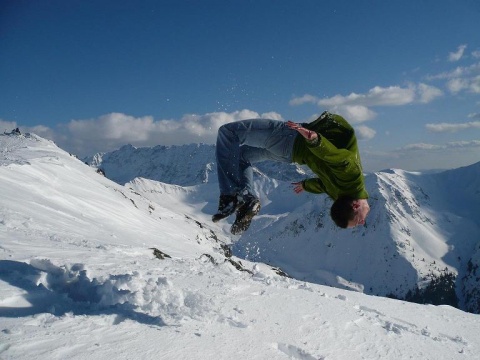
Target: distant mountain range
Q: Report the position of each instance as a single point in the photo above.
(422, 226)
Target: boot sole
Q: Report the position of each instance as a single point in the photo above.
(219, 216)
(242, 224)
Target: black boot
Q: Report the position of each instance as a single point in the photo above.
(245, 213)
(227, 205)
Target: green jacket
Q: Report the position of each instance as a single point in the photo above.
(334, 159)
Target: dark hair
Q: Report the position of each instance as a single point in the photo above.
(342, 212)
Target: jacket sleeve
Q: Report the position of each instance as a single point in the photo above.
(329, 153)
(313, 185)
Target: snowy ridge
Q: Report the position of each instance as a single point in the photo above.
(181, 165)
(79, 276)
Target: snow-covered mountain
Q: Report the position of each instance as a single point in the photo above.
(93, 269)
(185, 165)
(422, 226)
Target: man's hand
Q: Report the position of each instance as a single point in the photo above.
(298, 187)
(307, 134)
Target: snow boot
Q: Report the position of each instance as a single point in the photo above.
(227, 205)
(245, 213)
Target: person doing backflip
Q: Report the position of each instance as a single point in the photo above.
(328, 146)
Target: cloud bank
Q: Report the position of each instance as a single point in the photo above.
(462, 78)
(451, 127)
(356, 107)
(449, 145)
(109, 132)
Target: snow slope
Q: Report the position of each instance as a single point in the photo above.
(79, 280)
(421, 226)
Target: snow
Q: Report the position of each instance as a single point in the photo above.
(421, 224)
(79, 278)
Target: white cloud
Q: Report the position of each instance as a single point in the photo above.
(7, 126)
(474, 116)
(449, 127)
(305, 99)
(42, 131)
(476, 54)
(364, 132)
(458, 84)
(272, 115)
(463, 144)
(449, 145)
(475, 85)
(114, 126)
(460, 71)
(111, 131)
(355, 107)
(354, 113)
(421, 146)
(457, 55)
(377, 96)
(471, 84)
(461, 79)
(428, 93)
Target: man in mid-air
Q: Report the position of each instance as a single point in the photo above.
(328, 146)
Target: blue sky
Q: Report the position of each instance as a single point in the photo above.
(95, 75)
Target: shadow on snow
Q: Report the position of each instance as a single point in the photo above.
(51, 289)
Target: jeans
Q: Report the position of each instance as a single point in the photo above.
(242, 143)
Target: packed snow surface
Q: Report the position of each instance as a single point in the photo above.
(82, 277)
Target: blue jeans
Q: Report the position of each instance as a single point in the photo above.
(242, 143)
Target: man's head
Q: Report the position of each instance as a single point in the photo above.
(348, 212)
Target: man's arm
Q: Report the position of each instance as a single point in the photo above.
(313, 185)
(309, 135)
(320, 146)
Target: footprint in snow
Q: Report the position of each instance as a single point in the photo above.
(294, 352)
(232, 322)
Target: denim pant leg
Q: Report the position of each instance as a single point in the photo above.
(241, 143)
